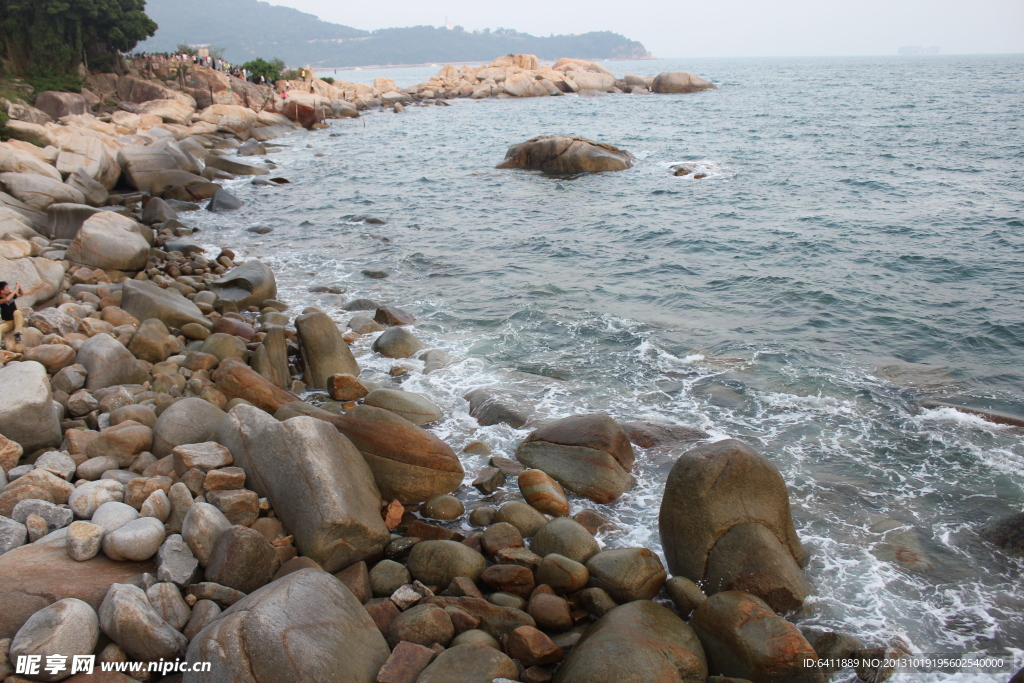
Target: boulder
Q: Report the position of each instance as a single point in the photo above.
(39, 191)
(712, 488)
(566, 154)
(94, 192)
(28, 415)
(222, 200)
(57, 105)
(130, 621)
(141, 165)
(438, 563)
(627, 574)
(162, 181)
(270, 359)
(588, 454)
(108, 363)
(235, 379)
(749, 557)
(593, 81)
(1007, 533)
(565, 537)
(14, 160)
(65, 220)
(639, 642)
(469, 663)
(137, 540)
(109, 241)
(305, 626)
(543, 493)
(397, 342)
(158, 211)
(40, 278)
(415, 408)
(491, 408)
(316, 481)
(234, 167)
(743, 638)
(36, 575)
(146, 300)
(680, 82)
(169, 111)
(323, 348)
(92, 156)
(408, 463)
(188, 421)
(242, 559)
(153, 342)
(249, 284)
(68, 627)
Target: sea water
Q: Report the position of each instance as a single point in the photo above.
(856, 247)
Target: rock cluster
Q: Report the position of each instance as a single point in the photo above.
(167, 492)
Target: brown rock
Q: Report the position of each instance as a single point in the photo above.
(235, 379)
(500, 536)
(392, 315)
(627, 574)
(532, 647)
(488, 480)
(240, 506)
(242, 559)
(357, 578)
(551, 612)
(562, 574)
(423, 624)
(509, 578)
(406, 663)
(344, 387)
(544, 493)
(566, 154)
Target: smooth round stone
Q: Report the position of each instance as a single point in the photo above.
(475, 636)
(503, 599)
(562, 574)
(137, 540)
(93, 468)
(482, 516)
(544, 493)
(56, 462)
(565, 537)
(195, 330)
(444, 507)
(112, 516)
(84, 540)
(415, 408)
(522, 516)
(157, 505)
(68, 627)
(386, 577)
(88, 498)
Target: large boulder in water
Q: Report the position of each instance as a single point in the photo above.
(109, 241)
(680, 82)
(250, 284)
(408, 463)
(566, 154)
(743, 638)
(318, 483)
(713, 489)
(306, 626)
(588, 454)
(637, 642)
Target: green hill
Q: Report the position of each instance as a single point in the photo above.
(249, 28)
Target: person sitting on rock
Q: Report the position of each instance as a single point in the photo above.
(10, 316)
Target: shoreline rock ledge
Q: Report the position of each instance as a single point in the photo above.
(567, 154)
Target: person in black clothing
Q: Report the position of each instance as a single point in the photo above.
(10, 316)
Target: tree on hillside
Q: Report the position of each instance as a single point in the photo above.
(270, 70)
(51, 38)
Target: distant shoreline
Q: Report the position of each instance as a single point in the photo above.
(470, 62)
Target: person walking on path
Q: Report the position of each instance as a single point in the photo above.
(10, 316)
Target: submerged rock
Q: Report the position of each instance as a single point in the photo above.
(566, 154)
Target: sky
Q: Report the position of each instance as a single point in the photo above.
(719, 28)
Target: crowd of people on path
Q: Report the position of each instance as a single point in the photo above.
(185, 59)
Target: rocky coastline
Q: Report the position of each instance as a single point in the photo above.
(192, 471)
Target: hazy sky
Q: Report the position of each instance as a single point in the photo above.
(719, 28)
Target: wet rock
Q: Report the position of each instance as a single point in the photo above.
(509, 578)
(357, 579)
(294, 629)
(415, 408)
(482, 516)
(397, 342)
(488, 480)
(392, 315)
(588, 454)
(543, 493)
(685, 594)
(832, 646)
(333, 507)
(596, 601)
(249, 284)
(522, 516)
(750, 558)
(496, 620)
(68, 627)
(223, 200)
(344, 387)
(242, 559)
(627, 574)
(567, 538)
(566, 154)
(28, 415)
(491, 408)
(166, 601)
(128, 619)
(188, 421)
(324, 351)
(438, 563)
(712, 488)
(744, 638)
(638, 637)
(651, 434)
(562, 574)
(1007, 533)
(469, 663)
(499, 536)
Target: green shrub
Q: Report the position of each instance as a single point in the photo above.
(328, 79)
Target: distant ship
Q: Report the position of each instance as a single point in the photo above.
(919, 50)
